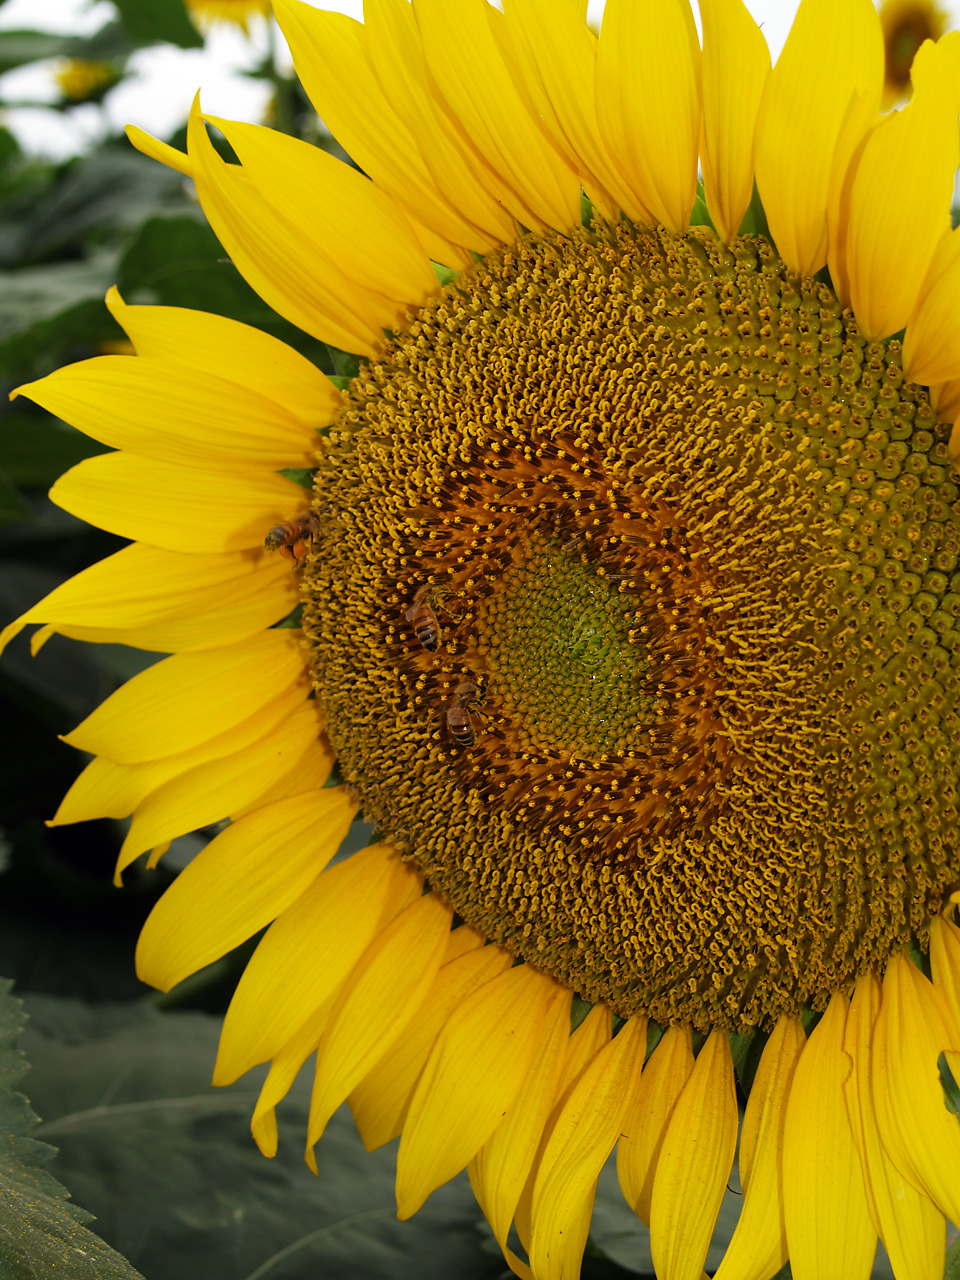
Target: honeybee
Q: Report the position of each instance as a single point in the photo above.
(289, 538)
(424, 620)
(458, 715)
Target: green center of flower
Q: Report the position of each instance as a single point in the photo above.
(556, 643)
(636, 622)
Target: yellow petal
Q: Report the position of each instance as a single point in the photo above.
(585, 1133)
(174, 414)
(190, 698)
(922, 1138)
(592, 1035)
(556, 41)
(106, 789)
(315, 763)
(306, 1038)
(646, 1122)
(329, 50)
(284, 1069)
(177, 508)
(231, 350)
(158, 150)
(911, 1227)
(931, 349)
(462, 941)
(463, 53)
(475, 1070)
(499, 1170)
(946, 400)
(395, 52)
(206, 629)
(377, 1001)
(141, 586)
(833, 52)
(382, 1098)
(901, 193)
(335, 211)
(736, 65)
(945, 962)
(648, 102)
(266, 247)
(860, 119)
(217, 789)
(694, 1164)
(758, 1248)
(829, 1231)
(244, 878)
(587, 1041)
(305, 957)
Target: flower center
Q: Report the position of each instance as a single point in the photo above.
(633, 622)
(556, 643)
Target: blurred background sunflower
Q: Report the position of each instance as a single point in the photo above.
(557, 737)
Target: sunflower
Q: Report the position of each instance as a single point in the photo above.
(83, 79)
(207, 13)
(906, 25)
(625, 600)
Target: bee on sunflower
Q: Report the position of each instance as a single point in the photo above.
(627, 605)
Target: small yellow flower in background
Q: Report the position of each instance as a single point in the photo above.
(626, 601)
(906, 24)
(207, 12)
(80, 79)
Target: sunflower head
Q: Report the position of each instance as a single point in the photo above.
(83, 79)
(625, 598)
(208, 13)
(689, 539)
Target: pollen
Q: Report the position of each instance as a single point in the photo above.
(691, 543)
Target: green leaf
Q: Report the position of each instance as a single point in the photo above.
(90, 199)
(168, 1164)
(952, 1268)
(951, 1091)
(149, 21)
(112, 41)
(303, 476)
(293, 620)
(345, 363)
(13, 507)
(36, 448)
(444, 274)
(754, 221)
(746, 1049)
(17, 48)
(41, 1234)
(46, 310)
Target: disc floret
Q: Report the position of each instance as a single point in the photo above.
(691, 541)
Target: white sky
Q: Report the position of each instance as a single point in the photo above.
(158, 94)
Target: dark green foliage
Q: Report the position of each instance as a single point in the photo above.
(41, 1233)
(147, 21)
(168, 1165)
